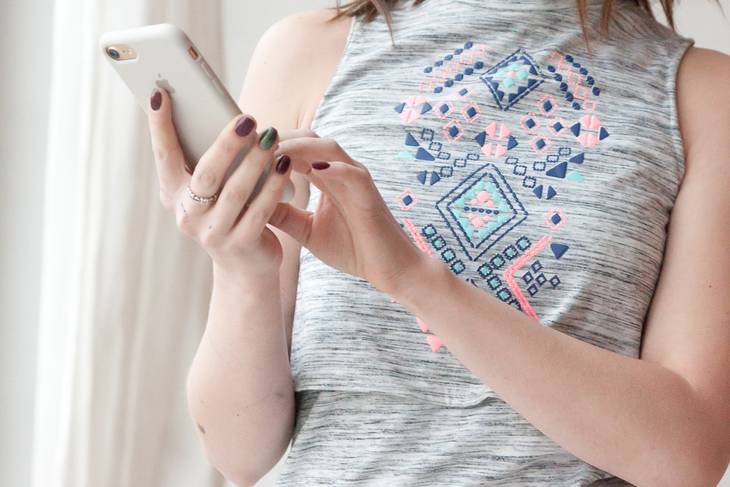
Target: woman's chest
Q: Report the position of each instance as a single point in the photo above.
(524, 171)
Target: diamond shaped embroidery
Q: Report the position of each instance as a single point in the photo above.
(512, 78)
(481, 210)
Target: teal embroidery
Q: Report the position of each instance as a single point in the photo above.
(447, 254)
(512, 79)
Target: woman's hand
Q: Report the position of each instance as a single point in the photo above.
(231, 229)
(352, 228)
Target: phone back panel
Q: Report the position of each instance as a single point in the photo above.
(196, 92)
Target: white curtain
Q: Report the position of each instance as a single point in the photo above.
(124, 295)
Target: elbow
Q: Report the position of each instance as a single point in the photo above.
(240, 479)
(242, 474)
(699, 456)
(706, 463)
(695, 467)
(711, 468)
(227, 447)
(703, 472)
(236, 472)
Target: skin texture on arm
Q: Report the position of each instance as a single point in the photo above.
(688, 327)
(239, 387)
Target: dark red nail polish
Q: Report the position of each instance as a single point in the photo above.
(244, 126)
(156, 99)
(282, 164)
(320, 165)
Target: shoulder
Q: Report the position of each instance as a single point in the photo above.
(314, 27)
(295, 58)
(703, 99)
(701, 68)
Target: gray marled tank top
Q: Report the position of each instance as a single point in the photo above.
(539, 173)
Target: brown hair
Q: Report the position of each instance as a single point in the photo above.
(370, 9)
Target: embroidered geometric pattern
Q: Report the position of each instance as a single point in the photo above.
(512, 78)
(453, 67)
(476, 161)
(481, 210)
(577, 85)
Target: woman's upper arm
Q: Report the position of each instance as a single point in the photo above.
(688, 326)
(289, 71)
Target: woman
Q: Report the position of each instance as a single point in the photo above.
(478, 296)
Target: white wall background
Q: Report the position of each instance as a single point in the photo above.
(24, 49)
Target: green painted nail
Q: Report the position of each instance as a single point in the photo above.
(267, 138)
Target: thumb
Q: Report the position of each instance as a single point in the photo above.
(294, 221)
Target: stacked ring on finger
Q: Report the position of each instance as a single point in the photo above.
(209, 173)
(203, 200)
(246, 181)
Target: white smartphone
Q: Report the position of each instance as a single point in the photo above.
(163, 55)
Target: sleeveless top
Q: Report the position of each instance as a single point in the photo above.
(539, 172)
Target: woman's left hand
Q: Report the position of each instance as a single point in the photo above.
(352, 228)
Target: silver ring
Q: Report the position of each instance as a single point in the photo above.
(204, 200)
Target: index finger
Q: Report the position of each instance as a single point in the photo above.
(169, 157)
(285, 134)
(305, 150)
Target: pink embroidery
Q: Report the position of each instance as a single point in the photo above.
(540, 143)
(437, 75)
(412, 109)
(590, 126)
(435, 342)
(550, 219)
(467, 58)
(400, 199)
(453, 126)
(468, 110)
(530, 123)
(580, 85)
(589, 105)
(555, 57)
(420, 242)
(500, 132)
(453, 67)
(480, 48)
(581, 92)
(504, 130)
(509, 274)
(547, 105)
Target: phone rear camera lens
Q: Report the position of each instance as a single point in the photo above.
(113, 53)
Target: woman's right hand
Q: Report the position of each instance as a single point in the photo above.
(239, 246)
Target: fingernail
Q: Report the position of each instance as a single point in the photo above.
(244, 126)
(320, 165)
(156, 99)
(267, 138)
(283, 164)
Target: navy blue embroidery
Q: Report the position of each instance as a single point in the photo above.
(513, 78)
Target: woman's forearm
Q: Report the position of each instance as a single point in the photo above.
(240, 391)
(635, 419)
